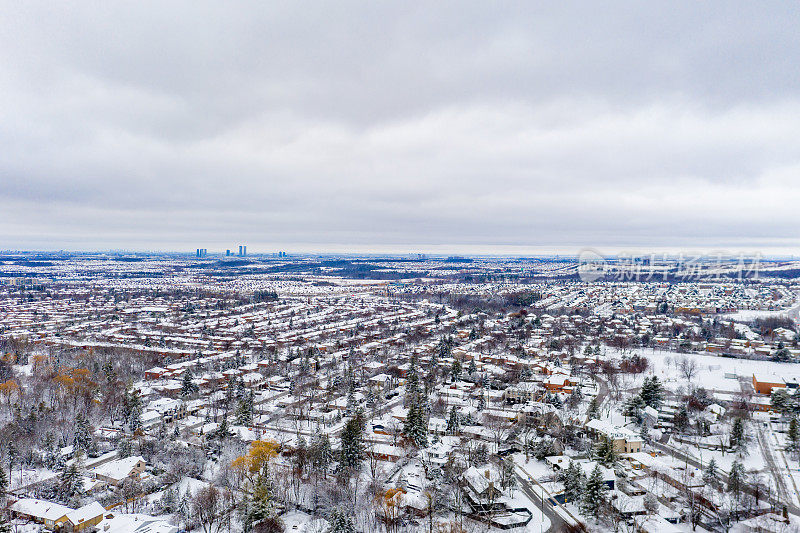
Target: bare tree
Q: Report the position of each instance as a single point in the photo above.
(688, 368)
(206, 509)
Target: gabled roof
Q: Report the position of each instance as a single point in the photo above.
(41, 509)
(87, 512)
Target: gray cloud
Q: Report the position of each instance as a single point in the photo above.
(412, 126)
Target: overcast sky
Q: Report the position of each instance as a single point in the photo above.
(404, 126)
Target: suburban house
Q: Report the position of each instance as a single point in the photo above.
(82, 519)
(625, 440)
(57, 517)
(40, 511)
(482, 488)
(115, 472)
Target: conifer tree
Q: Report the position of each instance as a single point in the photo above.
(593, 411)
(594, 494)
(133, 410)
(352, 446)
(453, 422)
(711, 475)
(793, 434)
(415, 427)
(321, 453)
(573, 480)
(652, 392)
(69, 483)
(341, 522)
(188, 387)
(168, 501)
(455, 370)
(481, 400)
(737, 478)
(244, 411)
(737, 438)
(222, 429)
(605, 452)
(261, 504)
(82, 439)
(634, 408)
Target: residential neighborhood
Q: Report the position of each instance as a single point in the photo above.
(146, 404)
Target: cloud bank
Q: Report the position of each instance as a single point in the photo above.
(346, 126)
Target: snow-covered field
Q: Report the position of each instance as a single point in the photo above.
(713, 373)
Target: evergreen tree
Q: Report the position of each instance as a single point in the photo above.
(341, 522)
(261, 504)
(680, 422)
(634, 408)
(351, 400)
(793, 434)
(321, 453)
(644, 433)
(652, 392)
(575, 397)
(481, 400)
(69, 483)
(737, 478)
(412, 381)
(555, 401)
(3, 480)
(352, 446)
(573, 480)
(594, 494)
(244, 411)
(169, 501)
(455, 370)
(711, 475)
(737, 438)
(780, 400)
(453, 422)
(415, 427)
(124, 449)
(82, 440)
(243, 509)
(593, 410)
(222, 430)
(472, 368)
(133, 410)
(188, 387)
(605, 452)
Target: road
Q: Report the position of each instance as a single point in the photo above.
(532, 490)
(766, 449)
(777, 474)
(777, 502)
(602, 392)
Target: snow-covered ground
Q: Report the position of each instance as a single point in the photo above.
(713, 372)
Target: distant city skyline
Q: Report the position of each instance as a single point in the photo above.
(411, 128)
